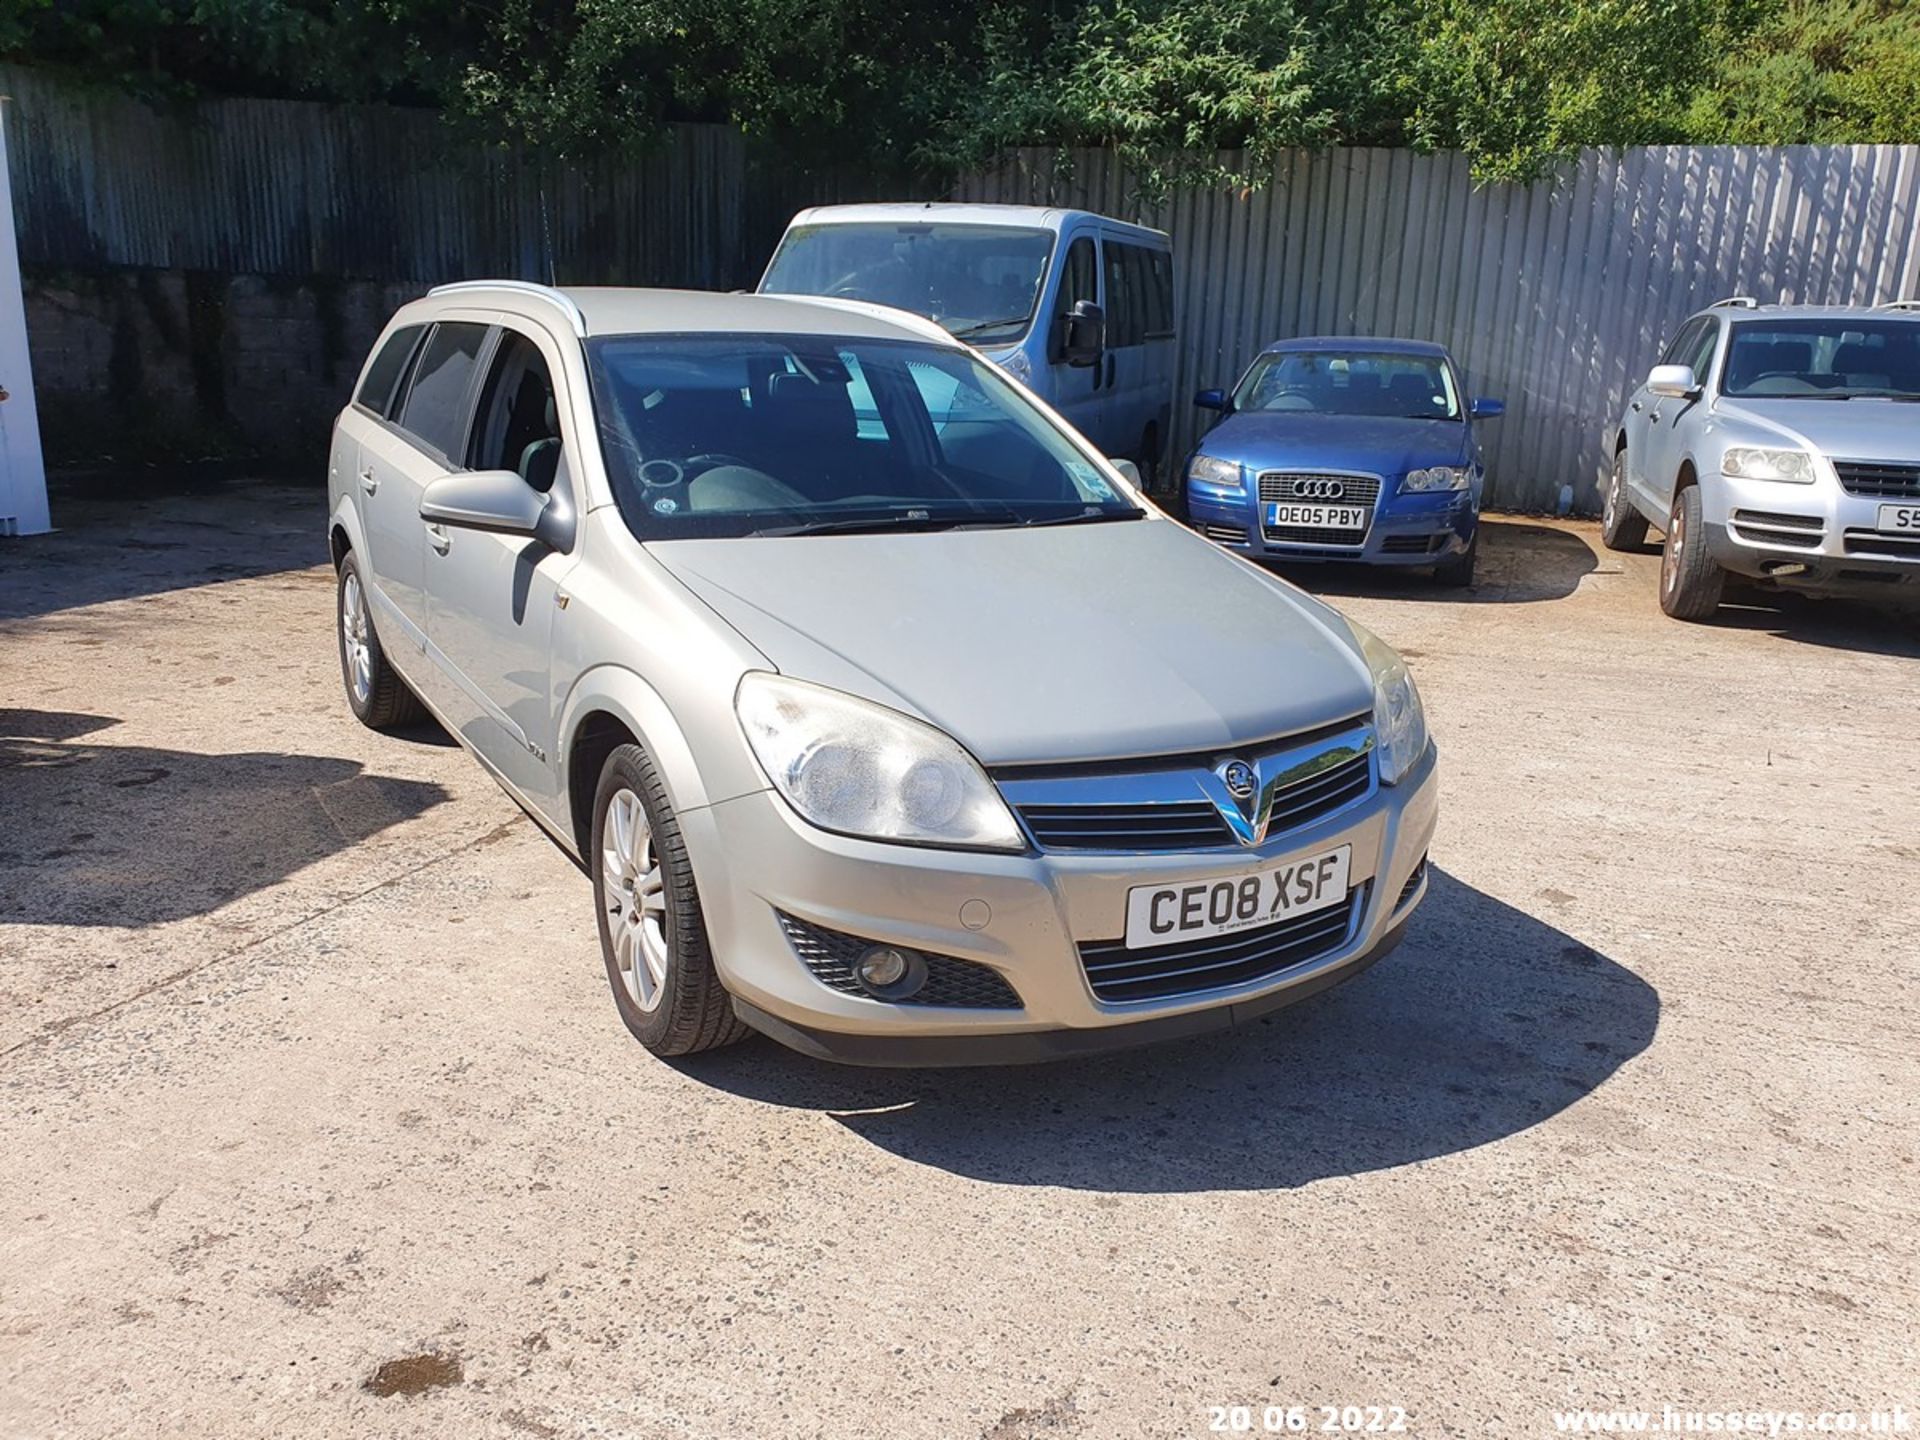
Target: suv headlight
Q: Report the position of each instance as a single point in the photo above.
(1399, 719)
(1793, 466)
(1440, 477)
(857, 768)
(1211, 470)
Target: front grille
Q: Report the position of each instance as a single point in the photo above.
(1872, 542)
(1413, 883)
(1767, 527)
(961, 984)
(1118, 974)
(1278, 485)
(1880, 477)
(1196, 824)
(1224, 534)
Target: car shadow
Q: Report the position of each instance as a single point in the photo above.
(129, 835)
(1484, 1023)
(1519, 563)
(1888, 625)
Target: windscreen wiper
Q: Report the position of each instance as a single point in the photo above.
(989, 325)
(1086, 517)
(912, 520)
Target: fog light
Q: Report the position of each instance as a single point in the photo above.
(887, 972)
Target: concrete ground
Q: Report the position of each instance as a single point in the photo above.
(318, 1118)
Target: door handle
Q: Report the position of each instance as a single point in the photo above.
(439, 538)
(1109, 369)
(1635, 407)
(367, 482)
(1653, 418)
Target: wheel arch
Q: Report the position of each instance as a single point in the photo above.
(344, 533)
(608, 707)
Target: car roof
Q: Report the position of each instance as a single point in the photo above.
(591, 310)
(948, 212)
(1381, 343)
(1740, 314)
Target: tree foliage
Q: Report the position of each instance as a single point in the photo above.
(939, 84)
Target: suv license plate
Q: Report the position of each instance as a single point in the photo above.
(1169, 914)
(1900, 519)
(1325, 517)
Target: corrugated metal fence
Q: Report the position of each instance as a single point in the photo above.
(1554, 296)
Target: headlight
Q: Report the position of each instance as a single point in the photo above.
(1016, 364)
(861, 769)
(1440, 477)
(1399, 719)
(1793, 466)
(1211, 470)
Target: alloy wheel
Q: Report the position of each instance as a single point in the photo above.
(635, 893)
(354, 636)
(1676, 548)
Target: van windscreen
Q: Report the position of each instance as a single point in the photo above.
(981, 282)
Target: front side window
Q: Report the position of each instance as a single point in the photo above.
(981, 282)
(1351, 382)
(1823, 359)
(517, 424)
(728, 435)
(1682, 343)
(435, 403)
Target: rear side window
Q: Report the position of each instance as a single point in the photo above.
(1160, 295)
(383, 376)
(436, 401)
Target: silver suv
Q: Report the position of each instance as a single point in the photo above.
(885, 715)
(1776, 442)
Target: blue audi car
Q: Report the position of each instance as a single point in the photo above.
(1344, 448)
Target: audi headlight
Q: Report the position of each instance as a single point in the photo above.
(1440, 477)
(857, 768)
(1793, 466)
(1399, 719)
(1212, 470)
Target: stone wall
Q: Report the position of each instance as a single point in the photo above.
(142, 367)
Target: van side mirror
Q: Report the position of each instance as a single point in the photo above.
(1083, 334)
(500, 502)
(1673, 382)
(1212, 400)
(1484, 408)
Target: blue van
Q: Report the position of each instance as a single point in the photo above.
(1077, 307)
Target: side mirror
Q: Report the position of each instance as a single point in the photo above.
(1083, 337)
(1483, 408)
(500, 502)
(1129, 471)
(1213, 400)
(1673, 382)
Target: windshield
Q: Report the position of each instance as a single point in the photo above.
(1351, 382)
(981, 282)
(709, 435)
(1822, 359)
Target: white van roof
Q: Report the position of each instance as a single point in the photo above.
(1031, 217)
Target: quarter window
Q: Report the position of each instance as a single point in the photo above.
(436, 401)
(383, 375)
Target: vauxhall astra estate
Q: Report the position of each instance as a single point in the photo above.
(865, 691)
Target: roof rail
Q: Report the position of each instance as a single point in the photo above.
(558, 299)
(1736, 302)
(1899, 305)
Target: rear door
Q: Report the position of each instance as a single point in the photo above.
(1138, 383)
(399, 457)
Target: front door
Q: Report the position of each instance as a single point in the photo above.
(1078, 392)
(492, 599)
(1665, 447)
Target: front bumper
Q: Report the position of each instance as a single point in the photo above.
(754, 859)
(1413, 529)
(1814, 535)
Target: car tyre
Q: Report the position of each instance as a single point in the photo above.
(1621, 526)
(376, 694)
(653, 933)
(1457, 573)
(1149, 459)
(1690, 582)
